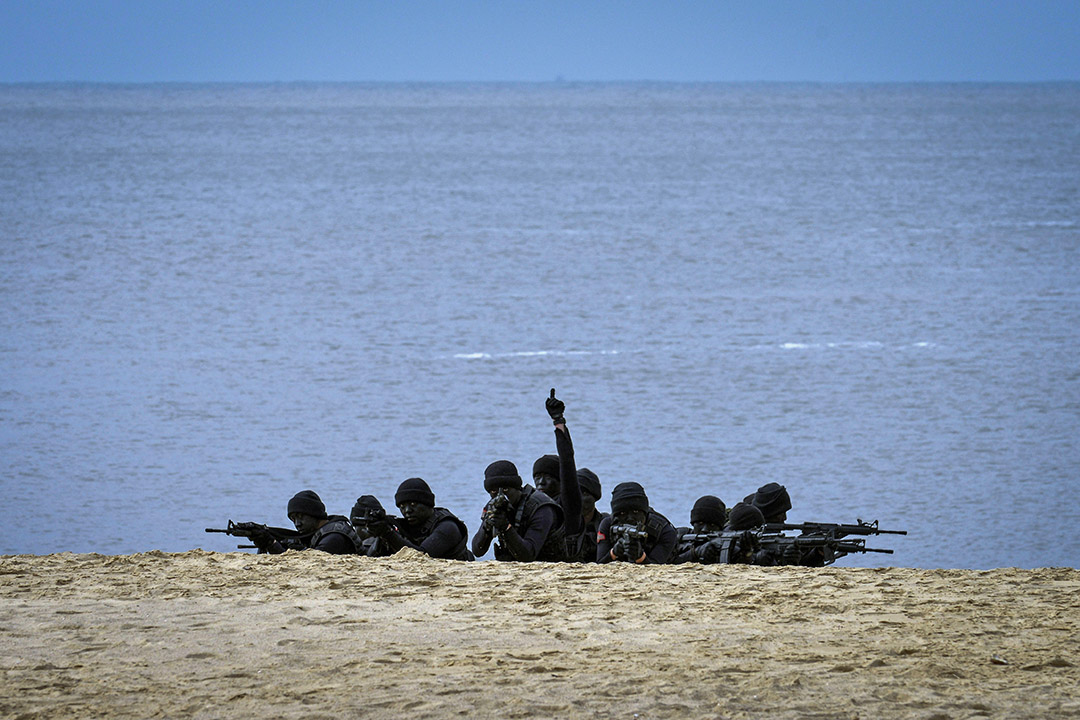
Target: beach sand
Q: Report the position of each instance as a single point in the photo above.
(309, 635)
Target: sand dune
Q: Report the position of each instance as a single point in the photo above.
(308, 635)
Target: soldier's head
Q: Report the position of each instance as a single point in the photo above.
(744, 517)
(708, 515)
(306, 511)
(415, 501)
(546, 475)
(773, 502)
(502, 476)
(629, 504)
(590, 490)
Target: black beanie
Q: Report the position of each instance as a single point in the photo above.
(501, 474)
(589, 482)
(414, 490)
(629, 496)
(365, 504)
(308, 503)
(709, 509)
(772, 499)
(744, 517)
(547, 465)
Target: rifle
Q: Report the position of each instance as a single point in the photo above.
(733, 546)
(630, 532)
(765, 546)
(623, 536)
(362, 521)
(288, 538)
(832, 530)
(779, 549)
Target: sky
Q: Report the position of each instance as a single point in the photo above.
(533, 41)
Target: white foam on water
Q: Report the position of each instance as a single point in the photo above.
(532, 353)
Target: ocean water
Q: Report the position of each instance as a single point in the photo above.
(215, 296)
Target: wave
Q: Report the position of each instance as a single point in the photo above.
(532, 353)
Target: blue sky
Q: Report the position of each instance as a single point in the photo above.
(485, 40)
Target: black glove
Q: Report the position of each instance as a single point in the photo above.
(378, 528)
(555, 408)
(791, 555)
(709, 552)
(634, 549)
(260, 537)
(619, 549)
(497, 522)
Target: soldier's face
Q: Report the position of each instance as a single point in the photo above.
(704, 527)
(546, 484)
(415, 513)
(512, 494)
(588, 503)
(304, 523)
(629, 517)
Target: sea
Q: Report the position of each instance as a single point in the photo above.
(215, 296)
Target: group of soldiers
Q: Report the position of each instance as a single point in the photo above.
(556, 520)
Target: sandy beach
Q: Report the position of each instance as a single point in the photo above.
(308, 635)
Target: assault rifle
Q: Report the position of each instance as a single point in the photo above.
(732, 546)
(499, 504)
(832, 530)
(627, 534)
(257, 531)
(813, 550)
(363, 521)
(630, 532)
(763, 546)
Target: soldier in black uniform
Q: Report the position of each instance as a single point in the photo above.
(527, 523)
(572, 488)
(546, 476)
(432, 530)
(318, 531)
(591, 516)
(371, 522)
(707, 516)
(744, 517)
(773, 501)
(634, 532)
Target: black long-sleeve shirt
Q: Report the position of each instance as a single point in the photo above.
(440, 543)
(569, 489)
(533, 535)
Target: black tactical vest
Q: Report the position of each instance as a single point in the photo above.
(554, 549)
(461, 550)
(341, 525)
